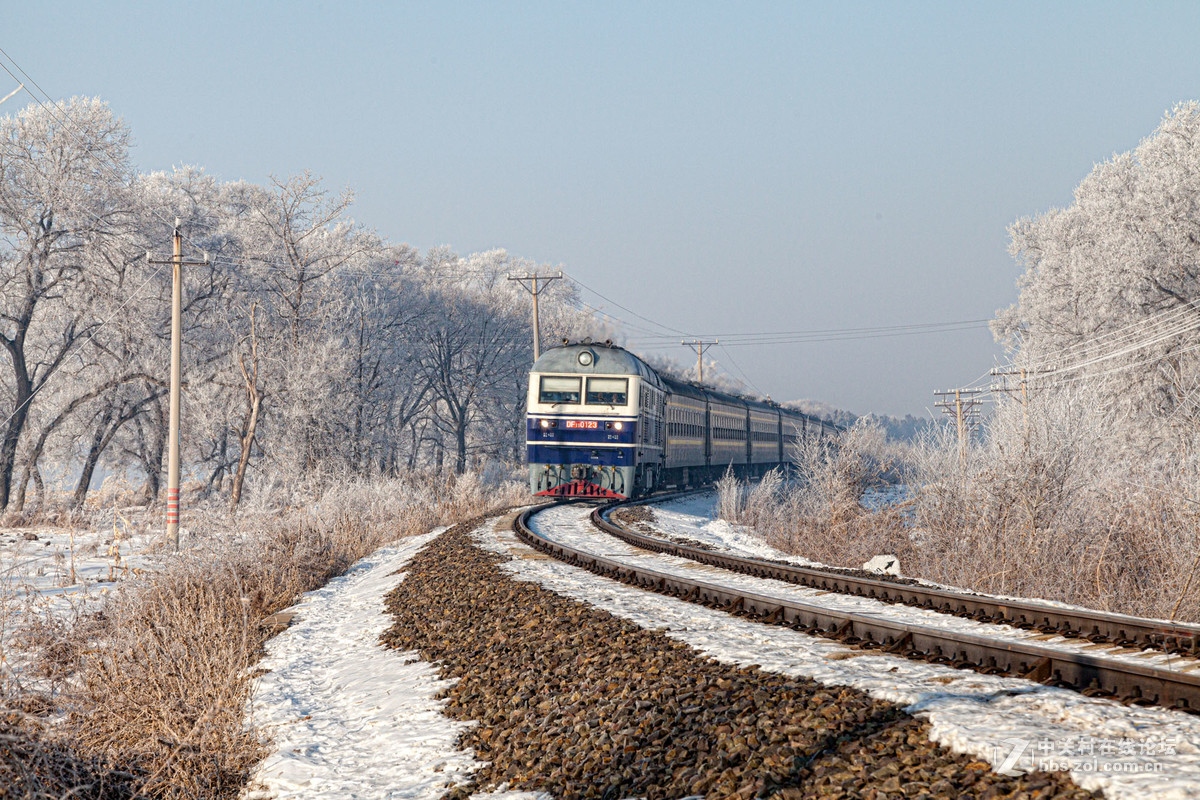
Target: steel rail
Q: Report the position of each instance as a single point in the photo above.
(1095, 626)
(1092, 675)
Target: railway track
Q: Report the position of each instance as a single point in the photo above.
(1094, 675)
(1095, 626)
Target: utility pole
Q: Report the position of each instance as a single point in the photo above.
(177, 264)
(533, 288)
(700, 348)
(1024, 373)
(1024, 385)
(965, 410)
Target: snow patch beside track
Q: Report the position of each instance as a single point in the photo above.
(349, 718)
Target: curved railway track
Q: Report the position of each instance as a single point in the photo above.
(1094, 675)
(1095, 626)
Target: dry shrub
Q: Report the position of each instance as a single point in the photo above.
(1059, 517)
(158, 679)
(34, 768)
(1053, 502)
(820, 513)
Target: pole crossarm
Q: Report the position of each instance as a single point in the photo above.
(530, 284)
(700, 348)
(963, 405)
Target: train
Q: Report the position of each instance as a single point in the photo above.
(602, 424)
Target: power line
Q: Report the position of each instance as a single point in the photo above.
(839, 335)
(675, 331)
(1172, 321)
(742, 372)
(756, 337)
(1157, 333)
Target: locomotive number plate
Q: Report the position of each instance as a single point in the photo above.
(587, 424)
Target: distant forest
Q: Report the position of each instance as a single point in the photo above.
(898, 429)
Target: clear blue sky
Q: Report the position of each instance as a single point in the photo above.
(716, 167)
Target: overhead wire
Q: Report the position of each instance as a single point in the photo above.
(742, 372)
(627, 310)
(786, 336)
(1035, 382)
(1130, 330)
(1168, 319)
(136, 292)
(1155, 334)
(838, 335)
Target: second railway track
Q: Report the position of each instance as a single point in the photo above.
(1095, 626)
(1103, 675)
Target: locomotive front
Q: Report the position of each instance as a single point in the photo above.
(581, 429)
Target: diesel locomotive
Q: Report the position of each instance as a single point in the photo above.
(603, 424)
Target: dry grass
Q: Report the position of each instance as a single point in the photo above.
(158, 680)
(1051, 519)
(33, 768)
(1111, 546)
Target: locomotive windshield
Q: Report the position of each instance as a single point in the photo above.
(608, 391)
(559, 390)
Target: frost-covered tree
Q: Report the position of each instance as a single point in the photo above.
(1110, 299)
(312, 346)
(64, 204)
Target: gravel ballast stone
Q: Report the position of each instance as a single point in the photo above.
(573, 701)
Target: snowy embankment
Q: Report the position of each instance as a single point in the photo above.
(347, 717)
(570, 527)
(572, 700)
(1128, 752)
(351, 719)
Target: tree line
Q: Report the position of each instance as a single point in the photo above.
(312, 345)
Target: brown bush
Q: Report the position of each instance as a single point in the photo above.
(158, 679)
(1043, 510)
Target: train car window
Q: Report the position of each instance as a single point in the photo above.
(608, 391)
(559, 390)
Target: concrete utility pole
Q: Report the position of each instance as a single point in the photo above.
(533, 288)
(1024, 373)
(177, 264)
(965, 409)
(700, 348)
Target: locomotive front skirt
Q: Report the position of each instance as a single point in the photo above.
(603, 424)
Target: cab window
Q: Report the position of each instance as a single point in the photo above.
(559, 390)
(608, 391)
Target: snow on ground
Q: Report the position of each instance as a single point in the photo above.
(61, 569)
(349, 718)
(1014, 724)
(693, 516)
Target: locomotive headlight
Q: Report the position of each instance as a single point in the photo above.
(545, 423)
(618, 425)
(585, 358)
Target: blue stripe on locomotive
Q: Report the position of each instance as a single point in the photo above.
(600, 456)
